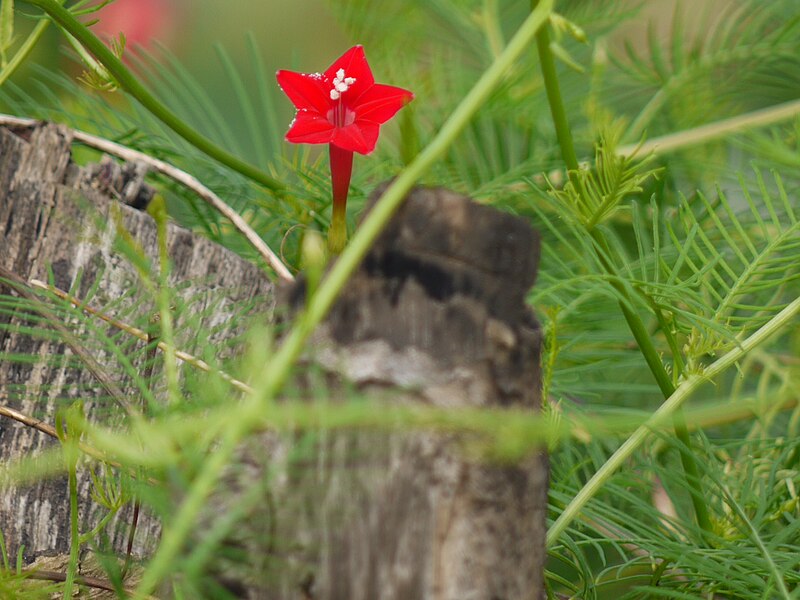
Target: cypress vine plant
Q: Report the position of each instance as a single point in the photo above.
(656, 150)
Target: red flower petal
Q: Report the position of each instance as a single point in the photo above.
(307, 91)
(354, 63)
(364, 104)
(358, 137)
(380, 103)
(309, 127)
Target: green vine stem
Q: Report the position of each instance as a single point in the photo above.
(666, 412)
(634, 321)
(128, 82)
(557, 110)
(688, 459)
(709, 132)
(166, 328)
(69, 435)
(277, 370)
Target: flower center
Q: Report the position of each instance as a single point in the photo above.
(340, 115)
(341, 84)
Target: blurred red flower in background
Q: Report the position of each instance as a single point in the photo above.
(142, 21)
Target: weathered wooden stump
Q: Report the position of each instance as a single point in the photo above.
(56, 225)
(435, 315)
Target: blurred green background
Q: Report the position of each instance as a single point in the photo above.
(288, 33)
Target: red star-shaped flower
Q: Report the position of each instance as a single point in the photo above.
(342, 106)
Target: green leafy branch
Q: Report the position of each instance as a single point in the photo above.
(595, 206)
(666, 412)
(750, 37)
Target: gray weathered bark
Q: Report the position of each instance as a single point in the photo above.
(435, 315)
(56, 225)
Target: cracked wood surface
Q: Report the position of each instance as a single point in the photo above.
(57, 225)
(435, 315)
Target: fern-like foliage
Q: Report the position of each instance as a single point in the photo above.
(726, 265)
(730, 55)
(593, 195)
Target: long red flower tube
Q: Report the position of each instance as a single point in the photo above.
(344, 108)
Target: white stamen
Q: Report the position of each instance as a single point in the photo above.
(341, 84)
